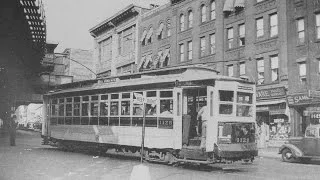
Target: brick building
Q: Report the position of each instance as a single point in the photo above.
(236, 37)
(115, 42)
(271, 42)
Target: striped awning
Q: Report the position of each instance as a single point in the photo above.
(143, 35)
(228, 5)
(141, 62)
(239, 3)
(150, 33)
(148, 60)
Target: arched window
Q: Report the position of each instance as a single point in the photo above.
(181, 22)
(213, 10)
(203, 13)
(160, 31)
(190, 19)
(168, 28)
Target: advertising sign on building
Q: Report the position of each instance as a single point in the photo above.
(271, 93)
(301, 99)
(315, 118)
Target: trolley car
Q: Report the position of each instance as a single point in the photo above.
(104, 114)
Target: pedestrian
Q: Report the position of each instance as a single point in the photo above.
(12, 130)
(203, 116)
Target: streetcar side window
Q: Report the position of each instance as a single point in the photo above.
(104, 110)
(166, 103)
(76, 111)
(151, 107)
(94, 110)
(125, 104)
(226, 102)
(85, 110)
(137, 107)
(244, 104)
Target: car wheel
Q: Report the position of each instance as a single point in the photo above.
(287, 155)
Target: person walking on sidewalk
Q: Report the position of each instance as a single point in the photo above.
(12, 130)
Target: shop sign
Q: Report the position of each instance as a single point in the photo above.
(313, 93)
(315, 117)
(271, 93)
(280, 120)
(276, 112)
(301, 99)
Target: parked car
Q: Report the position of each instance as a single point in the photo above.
(302, 149)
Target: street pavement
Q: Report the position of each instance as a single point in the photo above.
(31, 160)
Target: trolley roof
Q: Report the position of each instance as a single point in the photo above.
(167, 75)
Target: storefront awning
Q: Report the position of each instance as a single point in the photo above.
(264, 103)
(228, 5)
(239, 4)
(148, 60)
(141, 62)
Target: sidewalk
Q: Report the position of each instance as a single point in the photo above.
(270, 152)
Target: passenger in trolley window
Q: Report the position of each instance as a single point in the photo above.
(203, 116)
(165, 110)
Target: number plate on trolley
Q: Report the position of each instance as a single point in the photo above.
(165, 123)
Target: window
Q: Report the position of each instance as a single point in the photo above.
(212, 44)
(230, 70)
(120, 44)
(260, 70)
(160, 31)
(149, 35)
(143, 38)
(202, 46)
(104, 105)
(190, 19)
(226, 102)
(300, 30)
(94, 110)
(213, 10)
(242, 69)
(242, 35)
(302, 72)
(181, 47)
(166, 103)
(203, 13)
(273, 25)
(274, 68)
(181, 22)
(259, 28)
(85, 110)
(114, 111)
(230, 37)
(151, 109)
(189, 50)
(137, 108)
(244, 104)
(105, 50)
(125, 104)
(168, 28)
(318, 25)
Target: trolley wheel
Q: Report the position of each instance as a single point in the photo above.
(287, 155)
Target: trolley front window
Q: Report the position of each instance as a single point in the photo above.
(236, 133)
(244, 104)
(226, 102)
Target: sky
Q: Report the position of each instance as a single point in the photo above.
(68, 21)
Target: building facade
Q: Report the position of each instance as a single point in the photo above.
(236, 37)
(271, 42)
(116, 42)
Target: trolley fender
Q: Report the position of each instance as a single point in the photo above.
(294, 149)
